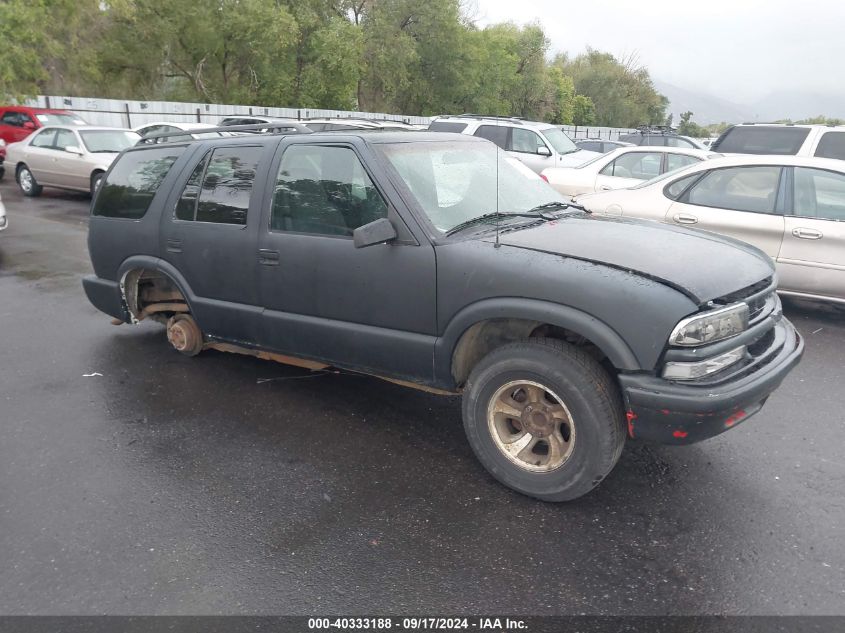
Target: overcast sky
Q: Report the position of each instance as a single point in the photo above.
(740, 50)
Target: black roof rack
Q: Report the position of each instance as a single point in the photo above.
(512, 119)
(656, 129)
(281, 127)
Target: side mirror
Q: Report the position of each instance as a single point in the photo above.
(544, 151)
(376, 232)
(73, 149)
(28, 125)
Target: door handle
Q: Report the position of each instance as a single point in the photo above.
(604, 188)
(685, 218)
(807, 234)
(174, 246)
(267, 257)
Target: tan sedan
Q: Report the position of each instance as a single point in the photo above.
(791, 208)
(66, 157)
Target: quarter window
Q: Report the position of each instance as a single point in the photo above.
(819, 194)
(324, 190)
(447, 126)
(678, 187)
(832, 145)
(738, 188)
(133, 181)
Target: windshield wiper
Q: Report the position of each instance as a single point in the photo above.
(558, 205)
(534, 213)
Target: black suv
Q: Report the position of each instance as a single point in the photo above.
(437, 261)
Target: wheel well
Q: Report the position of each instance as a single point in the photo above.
(150, 293)
(484, 337)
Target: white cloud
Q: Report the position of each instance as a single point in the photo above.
(739, 50)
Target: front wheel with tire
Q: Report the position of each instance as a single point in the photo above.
(26, 181)
(544, 418)
(96, 181)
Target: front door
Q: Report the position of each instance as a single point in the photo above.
(526, 146)
(370, 308)
(812, 257)
(742, 202)
(209, 235)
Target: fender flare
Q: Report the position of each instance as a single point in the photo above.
(147, 262)
(591, 328)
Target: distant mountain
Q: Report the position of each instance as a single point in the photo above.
(782, 104)
(797, 105)
(706, 108)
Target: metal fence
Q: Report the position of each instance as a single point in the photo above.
(122, 113)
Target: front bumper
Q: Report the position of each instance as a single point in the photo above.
(668, 412)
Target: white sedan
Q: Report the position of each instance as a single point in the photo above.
(792, 208)
(623, 167)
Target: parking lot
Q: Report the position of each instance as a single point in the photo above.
(136, 480)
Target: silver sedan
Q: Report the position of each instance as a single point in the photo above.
(73, 158)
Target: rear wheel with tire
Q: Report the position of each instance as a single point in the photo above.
(544, 418)
(26, 181)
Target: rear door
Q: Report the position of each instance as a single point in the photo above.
(209, 234)
(744, 202)
(526, 145)
(812, 257)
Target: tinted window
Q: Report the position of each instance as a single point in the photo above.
(639, 165)
(186, 208)
(677, 141)
(591, 146)
(324, 190)
(819, 194)
(65, 138)
(446, 126)
(496, 133)
(11, 118)
(133, 182)
(44, 139)
(676, 161)
(761, 139)
(525, 141)
(675, 190)
(832, 145)
(227, 185)
(738, 188)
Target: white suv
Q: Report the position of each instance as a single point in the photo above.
(538, 145)
(823, 141)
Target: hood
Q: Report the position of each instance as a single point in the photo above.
(704, 266)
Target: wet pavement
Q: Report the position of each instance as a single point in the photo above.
(138, 481)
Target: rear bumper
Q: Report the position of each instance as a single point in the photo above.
(674, 413)
(105, 296)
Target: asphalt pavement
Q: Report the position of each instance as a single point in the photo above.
(139, 481)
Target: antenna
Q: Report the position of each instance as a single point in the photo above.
(498, 217)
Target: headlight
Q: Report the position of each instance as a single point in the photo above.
(699, 369)
(709, 327)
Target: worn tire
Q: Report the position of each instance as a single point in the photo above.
(586, 390)
(96, 180)
(184, 334)
(27, 183)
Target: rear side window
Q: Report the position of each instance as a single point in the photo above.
(761, 139)
(447, 126)
(738, 188)
(676, 161)
(496, 133)
(226, 176)
(133, 182)
(832, 145)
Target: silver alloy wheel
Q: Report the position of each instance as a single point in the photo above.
(531, 426)
(25, 179)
